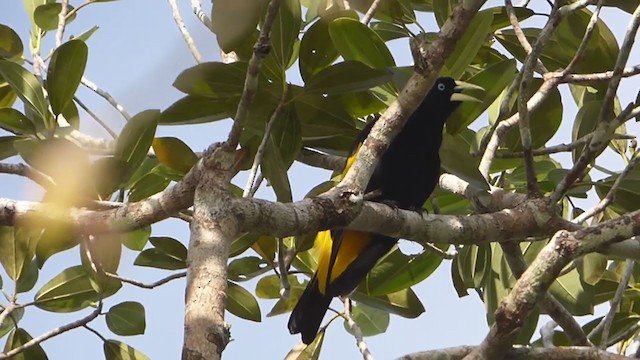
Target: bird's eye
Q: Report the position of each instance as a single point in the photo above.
(441, 87)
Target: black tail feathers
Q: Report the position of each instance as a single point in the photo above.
(307, 316)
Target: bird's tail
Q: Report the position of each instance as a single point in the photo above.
(307, 316)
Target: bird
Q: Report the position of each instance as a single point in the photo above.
(405, 177)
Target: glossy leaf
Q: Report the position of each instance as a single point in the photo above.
(370, 320)
(14, 121)
(7, 95)
(233, 20)
(193, 109)
(157, 259)
(126, 319)
(69, 291)
(10, 322)
(285, 34)
(10, 44)
(467, 47)
(26, 87)
(241, 303)
(108, 174)
(316, 52)
(46, 16)
(56, 238)
(403, 303)
(356, 41)
(18, 247)
(174, 153)
(246, 268)
(64, 73)
(19, 337)
(136, 137)
(116, 350)
(170, 246)
(344, 77)
(136, 239)
(388, 32)
(28, 277)
(213, 80)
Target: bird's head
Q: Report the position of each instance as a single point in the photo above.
(447, 94)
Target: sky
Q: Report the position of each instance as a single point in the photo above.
(136, 55)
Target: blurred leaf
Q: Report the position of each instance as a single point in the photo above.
(14, 121)
(397, 271)
(442, 9)
(404, 303)
(28, 277)
(126, 319)
(65, 70)
(19, 337)
(592, 267)
(107, 175)
(149, 185)
(321, 117)
(627, 197)
(311, 351)
(170, 246)
(285, 34)
(370, 320)
(106, 251)
(467, 47)
(268, 287)
(494, 79)
(625, 5)
(396, 11)
(56, 238)
(193, 109)
(116, 350)
(136, 137)
(10, 44)
(87, 34)
(136, 239)
(10, 322)
(233, 20)
(346, 77)
(621, 323)
(585, 123)
(242, 243)
(241, 303)
(213, 80)
(26, 86)
(7, 95)
(46, 16)
(6, 146)
(388, 32)
(501, 19)
(174, 153)
(356, 41)
(18, 246)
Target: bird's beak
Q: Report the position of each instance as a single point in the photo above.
(462, 86)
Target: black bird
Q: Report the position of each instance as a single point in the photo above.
(405, 177)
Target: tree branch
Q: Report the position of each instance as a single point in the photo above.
(175, 12)
(523, 353)
(25, 170)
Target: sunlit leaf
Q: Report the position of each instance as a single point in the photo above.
(126, 319)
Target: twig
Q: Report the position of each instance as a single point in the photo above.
(285, 286)
(27, 171)
(96, 118)
(55, 332)
(93, 87)
(515, 24)
(371, 11)
(95, 332)
(586, 79)
(588, 33)
(560, 147)
(357, 332)
(546, 332)
(443, 254)
(175, 11)
(145, 285)
(263, 147)
(7, 311)
(260, 51)
(625, 335)
(62, 21)
(611, 194)
(196, 5)
(323, 161)
(605, 324)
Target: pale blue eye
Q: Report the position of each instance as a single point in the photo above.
(441, 87)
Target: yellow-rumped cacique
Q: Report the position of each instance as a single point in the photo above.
(405, 177)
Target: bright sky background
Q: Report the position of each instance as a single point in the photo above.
(135, 55)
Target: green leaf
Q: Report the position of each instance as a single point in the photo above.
(586, 122)
(316, 53)
(69, 291)
(268, 287)
(404, 303)
(57, 237)
(28, 277)
(467, 47)
(573, 294)
(241, 303)
(627, 197)
(65, 71)
(46, 16)
(150, 184)
(246, 268)
(87, 34)
(494, 79)
(193, 109)
(26, 86)
(311, 351)
(356, 41)
(345, 77)
(18, 247)
(174, 153)
(116, 350)
(136, 239)
(370, 320)
(456, 159)
(10, 44)
(157, 259)
(126, 319)
(242, 243)
(6, 146)
(232, 21)
(592, 267)
(624, 5)
(501, 19)
(213, 80)
(285, 33)
(396, 11)
(7, 95)
(14, 121)
(322, 117)
(442, 9)
(397, 271)
(170, 246)
(136, 137)
(10, 322)
(107, 175)
(19, 337)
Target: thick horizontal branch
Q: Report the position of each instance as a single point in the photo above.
(524, 353)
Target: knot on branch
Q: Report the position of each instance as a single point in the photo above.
(219, 335)
(262, 50)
